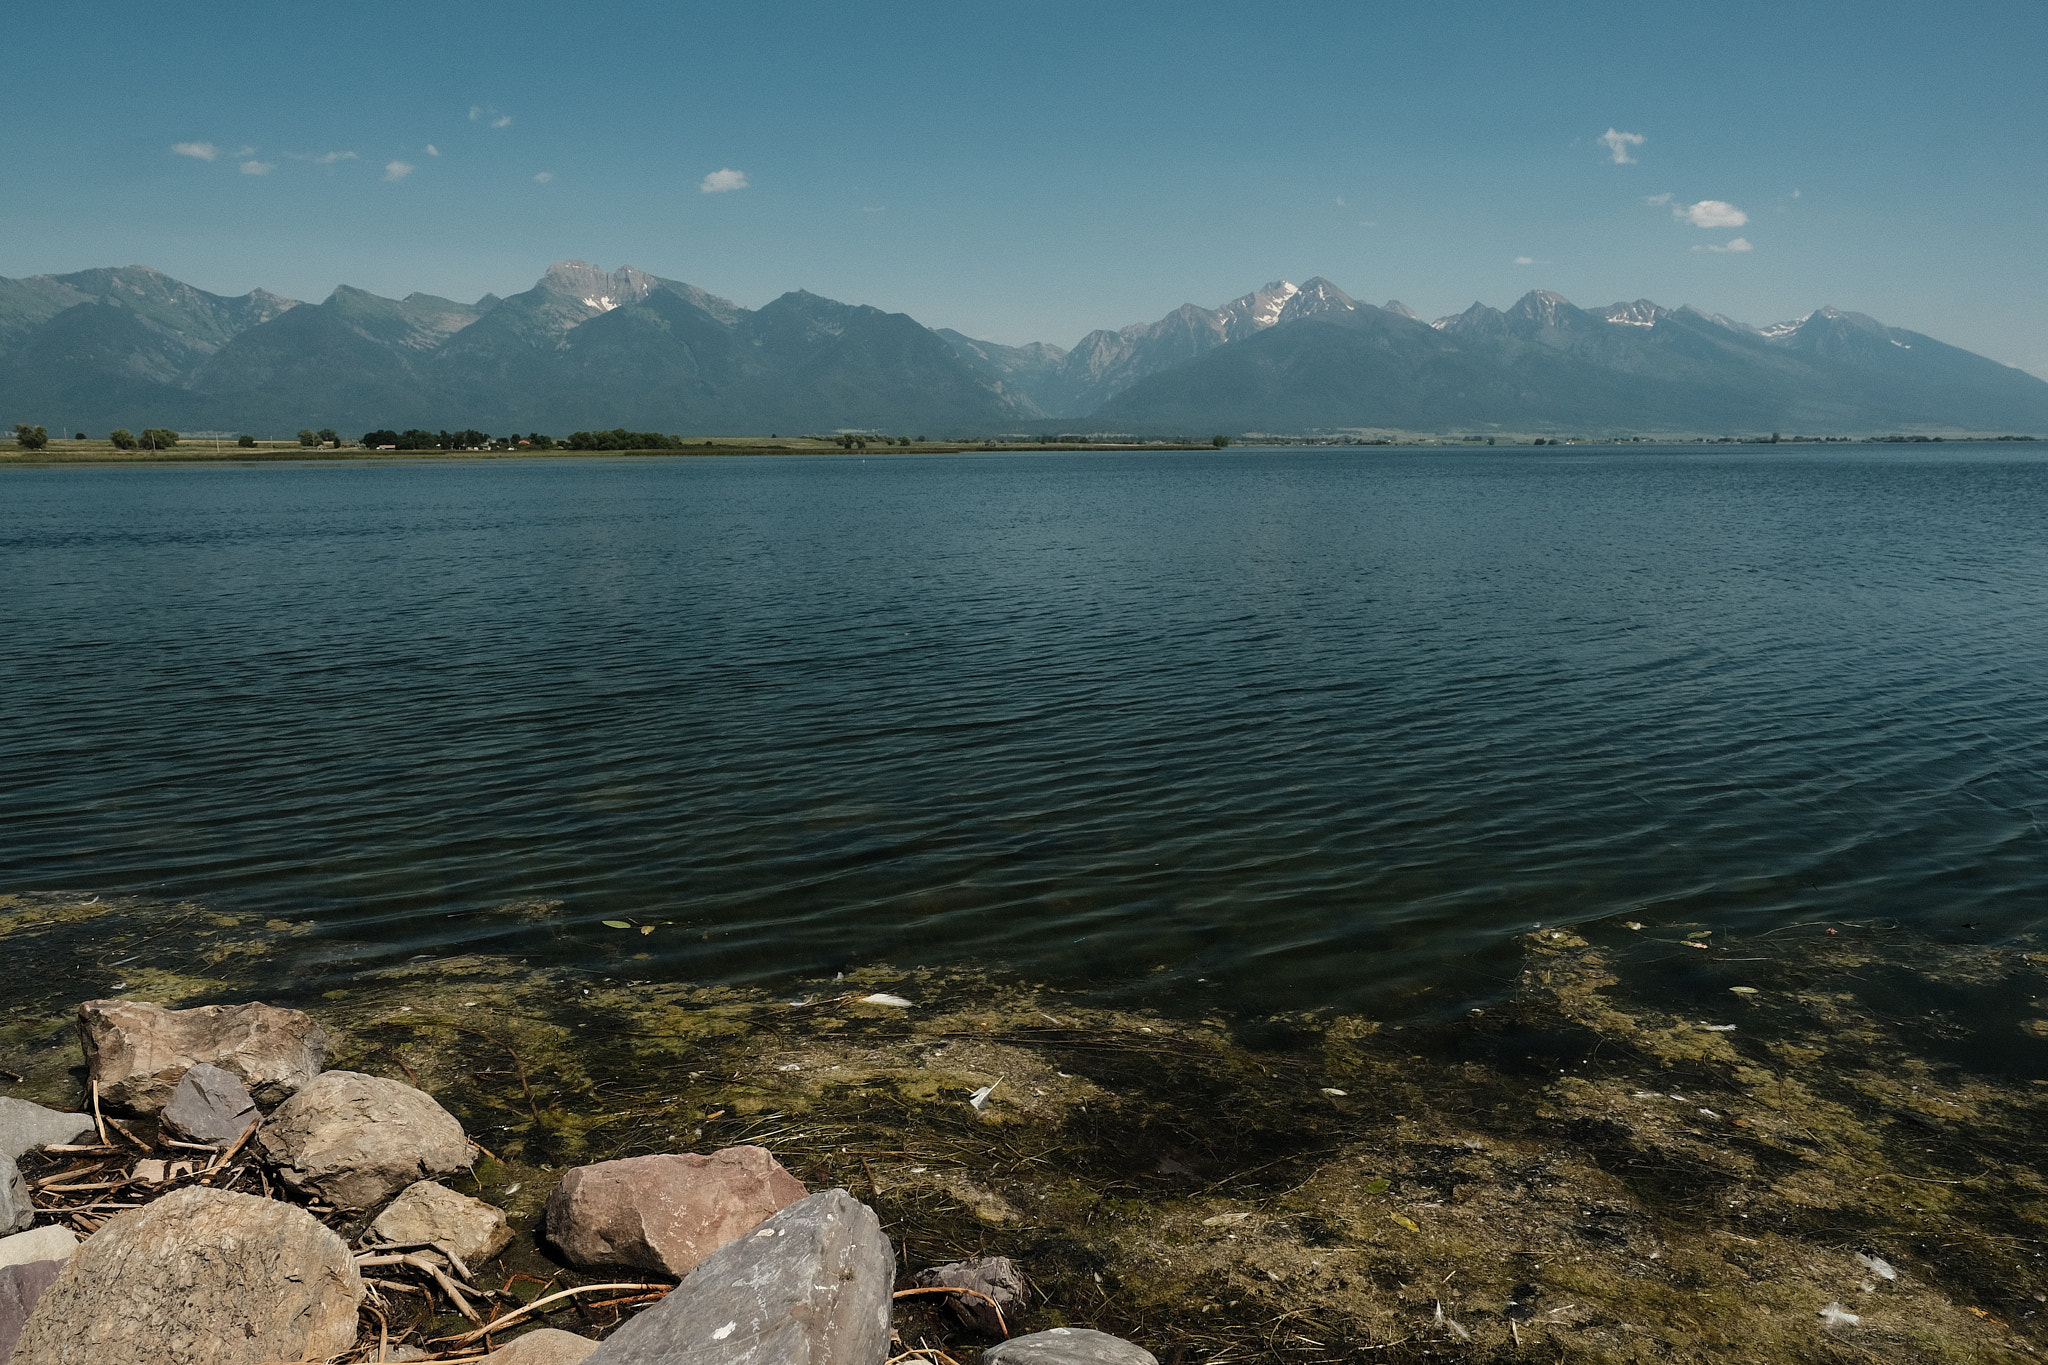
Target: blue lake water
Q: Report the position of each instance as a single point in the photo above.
(1277, 729)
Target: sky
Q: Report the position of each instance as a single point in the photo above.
(1028, 171)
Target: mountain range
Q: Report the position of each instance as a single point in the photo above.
(589, 348)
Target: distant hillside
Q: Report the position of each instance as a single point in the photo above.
(589, 348)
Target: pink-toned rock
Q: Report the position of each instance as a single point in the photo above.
(138, 1052)
(664, 1214)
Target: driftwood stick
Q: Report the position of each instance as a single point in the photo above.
(1001, 1321)
(500, 1324)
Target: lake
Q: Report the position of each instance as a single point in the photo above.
(1258, 729)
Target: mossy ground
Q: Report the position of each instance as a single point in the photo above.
(1594, 1167)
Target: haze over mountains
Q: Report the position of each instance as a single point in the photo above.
(587, 348)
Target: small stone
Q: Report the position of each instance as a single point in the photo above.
(138, 1052)
(199, 1277)
(356, 1140)
(664, 1214)
(544, 1347)
(51, 1243)
(209, 1104)
(26, 1127)
(1068, 1346)
(20, 1287)
(16, 1212)
(993, 1276)
(431, 1212)
(811, 1286)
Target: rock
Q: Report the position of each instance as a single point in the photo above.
(16, 1212)
(993, 1276)
(200, 1277)
(26, 1127)
(356, 1140)
(431, 1212)
(545, 1347)
(1068, 1346)
(138, 1052)
(665, 1213)
(52, 1243)
(209, 1104)
(20, 1287)
(811, 1286)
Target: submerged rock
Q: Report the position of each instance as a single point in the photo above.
(209, 1104)
(665, 1213)
(356, 1140)
(431, 1212)
(548, 1346)
(1068, 1346)
(138, 1052)
(52, 1243)
(996, 1277)
(811, 1286)
(20, 1287)
(200, 1277)
(16, 1212)
(26, 1127)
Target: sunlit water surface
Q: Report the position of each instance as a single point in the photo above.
(1268, 729)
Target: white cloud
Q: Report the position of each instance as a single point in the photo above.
(1618, 144)
(484, 113)
(1737, 244)
(258, 167)
(398, 170)
(1796, 194)
(1525, 260)
(1340, 201)
(718, 182)
(201, 151)
(502, 121)
(246, 151)
(329, 158)
(1711, 213)
(543, 177)
(432, 150)
(1659, 200)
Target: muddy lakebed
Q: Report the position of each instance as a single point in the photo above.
(1656, 1142)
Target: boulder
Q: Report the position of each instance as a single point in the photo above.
(431, 1212)
(20, 1287)
(1068, 1346)
(209, 1104)
(138, 1052)
(51, 1243)
(545, 1347)
(200, 1277)
(664, 1214)
(811, 1286)
(16, 1212)
(26, 1127)
(993, 1276)
(356, 1140)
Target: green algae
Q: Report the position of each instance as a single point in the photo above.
(1594, 1167)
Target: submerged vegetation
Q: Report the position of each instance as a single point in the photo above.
(1652, 1145)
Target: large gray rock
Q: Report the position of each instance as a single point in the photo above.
(811, 1286)
(356, 1140)
(996, 1282)
(138, 1052)
(50, 1243)
(26, 1127)
(209, 1104)
(1068, 1346)
(20, 1287)
(666, 1213)
(16, 1212)
(431, 1212)
(200, 1277)
(545, 1347)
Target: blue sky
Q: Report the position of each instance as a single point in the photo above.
(1028, 171)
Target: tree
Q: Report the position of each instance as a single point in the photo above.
(246, 442)
(385, 436)
(78, 436)
(325, 436)
(30, 438)
(308, 437)
(158, 438)
(122, 438)
(1219, 441)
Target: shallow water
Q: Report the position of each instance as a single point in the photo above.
(1304, 729)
